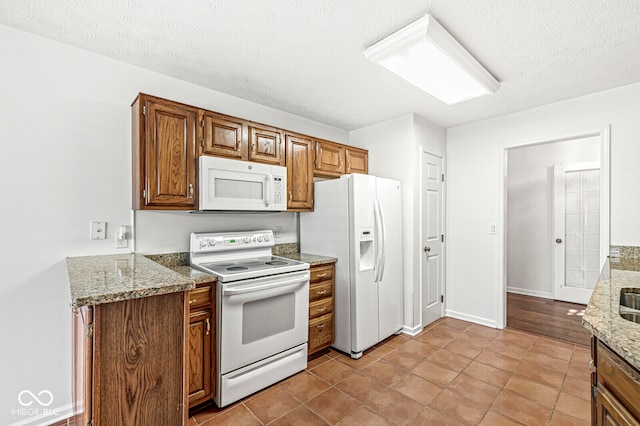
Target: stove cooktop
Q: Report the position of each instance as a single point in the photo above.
(233, 270)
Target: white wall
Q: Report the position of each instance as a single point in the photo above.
(474, 183)
(529, 210)
(393, 153)
(65, 160)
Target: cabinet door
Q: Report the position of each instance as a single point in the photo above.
(266, 144)
(200, 344)
(610, 411)
(357, 160)
(299, 173)
(329, 159)
(223, 136)
(169, 155)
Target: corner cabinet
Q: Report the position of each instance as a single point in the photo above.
(321, 302)
(616, 388)
(164, 154)
(299, 173)
(201, 338)
(129, 360)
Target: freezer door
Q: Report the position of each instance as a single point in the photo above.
(390, 286)
(364, 288)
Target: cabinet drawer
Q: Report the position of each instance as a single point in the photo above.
(322, 273)
(318, 291)
(320, 332)
(201, 296)
(320, 307)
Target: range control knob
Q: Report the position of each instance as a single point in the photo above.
(212, 243)
(246, 240)
(202, 243)
(266, 237)
(259, 238)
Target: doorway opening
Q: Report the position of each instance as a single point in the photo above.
(526, 251)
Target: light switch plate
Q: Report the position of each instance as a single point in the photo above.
(98, 230)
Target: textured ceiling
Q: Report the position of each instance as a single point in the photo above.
(305, 57)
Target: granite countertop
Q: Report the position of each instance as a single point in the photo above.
(602, 316)
(311, 259)
(111, 278)
(179, 263)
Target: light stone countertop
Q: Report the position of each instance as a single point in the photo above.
(112, 278)
(602, 316)
(311, 259)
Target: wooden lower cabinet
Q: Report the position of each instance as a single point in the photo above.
(616, 388)
(201, 336)
(321, 302)
(129, 360)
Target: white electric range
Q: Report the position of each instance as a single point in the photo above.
(262, 304)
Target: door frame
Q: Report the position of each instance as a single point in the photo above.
(418, 242)
(605, 185)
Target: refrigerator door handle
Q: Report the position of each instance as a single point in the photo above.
(383, 238)
(376, 233)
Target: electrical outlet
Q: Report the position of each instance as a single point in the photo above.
(121, 242)
(278, 232)
(98, 230)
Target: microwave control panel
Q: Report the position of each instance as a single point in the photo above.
(278, 190)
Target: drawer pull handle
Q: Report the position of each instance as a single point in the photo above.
(592, 366)
(320, 310)
(322, 291)
(320, 327)
(322, 275)
(208, 326)
(191, 301)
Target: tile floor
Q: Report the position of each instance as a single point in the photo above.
(453, 373)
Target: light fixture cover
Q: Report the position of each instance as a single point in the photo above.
(426, 55)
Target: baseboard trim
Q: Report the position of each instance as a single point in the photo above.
(59, 416)
(411, 331)
(526, 292)
(471, 318)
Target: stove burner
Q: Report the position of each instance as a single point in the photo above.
(237, 268)
(275, 262)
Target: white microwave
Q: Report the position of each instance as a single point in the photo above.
(227, 184)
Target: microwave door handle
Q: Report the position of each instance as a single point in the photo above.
(267, 195)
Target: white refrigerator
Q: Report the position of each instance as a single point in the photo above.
(357, 219)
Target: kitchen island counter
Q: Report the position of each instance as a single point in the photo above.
(95, 280)
(602, 315)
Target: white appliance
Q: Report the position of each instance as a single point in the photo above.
(227, 184)
(262, 311)
(357, 219)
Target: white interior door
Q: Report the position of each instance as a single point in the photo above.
(576, 225)
(431, 238)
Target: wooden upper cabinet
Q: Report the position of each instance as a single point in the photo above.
(299, 173)
(164, 154)
(266, 144)
(329, 160)
(223, 136)
(357, 160)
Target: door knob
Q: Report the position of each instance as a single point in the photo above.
(558, 240)
(426, 249)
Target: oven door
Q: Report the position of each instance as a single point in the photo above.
(261, 317)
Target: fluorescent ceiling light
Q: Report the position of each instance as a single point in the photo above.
(426, 55)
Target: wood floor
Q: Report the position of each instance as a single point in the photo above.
(547, 317)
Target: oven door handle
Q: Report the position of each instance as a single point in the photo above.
(251, 289)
